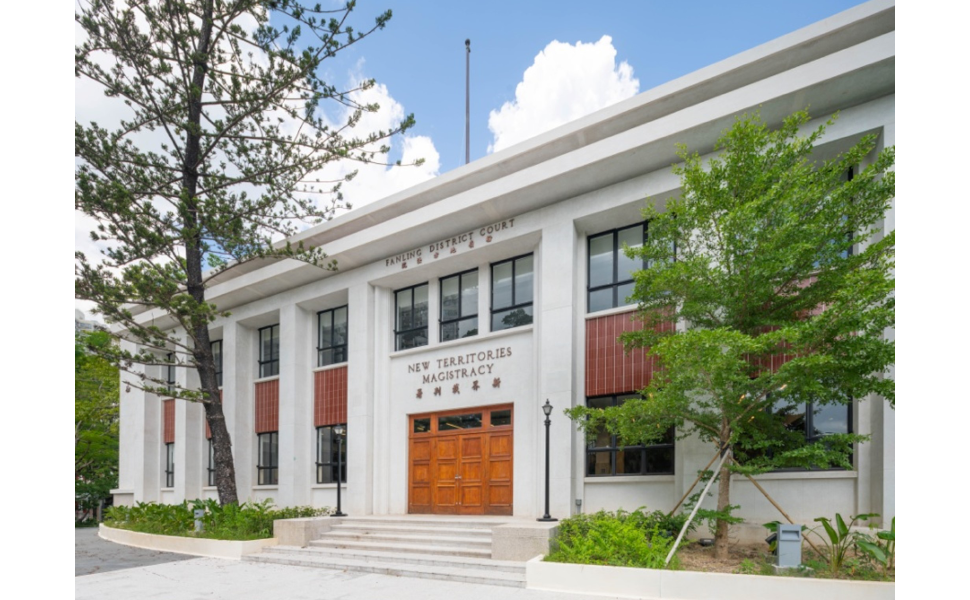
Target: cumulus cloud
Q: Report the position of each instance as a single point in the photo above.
(375, 181)
(564, 83)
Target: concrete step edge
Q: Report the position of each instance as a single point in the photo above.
(423, 559)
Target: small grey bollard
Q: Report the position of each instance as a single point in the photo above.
(199, 513)
(788, 545)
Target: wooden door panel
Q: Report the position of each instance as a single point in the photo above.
(419, 477)
(461, 472)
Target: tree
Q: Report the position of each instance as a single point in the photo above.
(766, 254)
(215, 161)
(96, 387)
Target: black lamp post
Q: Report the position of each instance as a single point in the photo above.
(547, 409)
(340, 431)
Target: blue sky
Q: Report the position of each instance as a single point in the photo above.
(420, 55)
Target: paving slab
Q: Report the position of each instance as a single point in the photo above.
(214, 579)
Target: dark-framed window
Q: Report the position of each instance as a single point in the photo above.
(169, 464)
(512, 290)
(607, 455)
(170, 371)
(332, 336)
(268, 458)
(459, 305)
(216, 348)
(211, 466)
(609, 272)
(411, 317)
(327, 449)
(814, 420)
(269, 351)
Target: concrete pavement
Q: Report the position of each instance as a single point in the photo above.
(179, 577)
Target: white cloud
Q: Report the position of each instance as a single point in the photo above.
(375, 181)
(564, 83)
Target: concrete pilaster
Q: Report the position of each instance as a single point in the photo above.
(239, 366)
(555, 316)
(296, 406)
(361, 446)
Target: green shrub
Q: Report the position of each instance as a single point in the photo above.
(637, 539)
(247, 521)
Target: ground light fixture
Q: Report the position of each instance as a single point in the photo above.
(340, 431)
(547, 409)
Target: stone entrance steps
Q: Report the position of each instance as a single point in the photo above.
(449, 549)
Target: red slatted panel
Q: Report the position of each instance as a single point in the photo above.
(268, 406)
(608, 369)
(330, 397)
(168, 421)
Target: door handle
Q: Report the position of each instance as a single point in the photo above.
(457, 476)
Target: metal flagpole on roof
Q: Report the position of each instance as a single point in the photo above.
(468, 52)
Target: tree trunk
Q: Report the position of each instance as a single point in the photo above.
(225, 468)
(723, 500)
(221, 442)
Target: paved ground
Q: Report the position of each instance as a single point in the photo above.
(94, 555)
(121, 573)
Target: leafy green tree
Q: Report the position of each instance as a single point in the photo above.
(96, 387)
(216, 159)
(766, 253)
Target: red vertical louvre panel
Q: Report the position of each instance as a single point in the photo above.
(330, 397)
(168, 421)
(268, 406)
(610, 370)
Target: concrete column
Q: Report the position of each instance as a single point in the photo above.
(239, 366)
(189, 438)
(883, 420)
(434, 311)
(148, 475)
(133, 444)
(296, 406)
(484, 298)
(361, 444)
(555, 318)
(383, 340)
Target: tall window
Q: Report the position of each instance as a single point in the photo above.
(269, 351)
(170, 464)
(606, 454)
(459, 305)
(813, 420)
(267, 466)
(411, 317)
(170, 371)
(216, 347)
(512, 293)
(610, 271)
(327, 448)
(332, 336)
(211, 467)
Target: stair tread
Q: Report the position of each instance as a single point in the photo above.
(399, 556)
(403, 527)
(399, 568)
(416, 537)
(426, 548)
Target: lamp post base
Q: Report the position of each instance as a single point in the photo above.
(546, 519)
(338, 514)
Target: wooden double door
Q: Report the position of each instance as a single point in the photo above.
(460, 462)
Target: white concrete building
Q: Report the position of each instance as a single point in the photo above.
(463, 303)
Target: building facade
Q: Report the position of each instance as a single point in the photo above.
(462, 304)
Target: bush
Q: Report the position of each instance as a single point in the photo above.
(636, 539)
(247, 521)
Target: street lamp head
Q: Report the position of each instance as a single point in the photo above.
(547, 408)
(340, 430)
